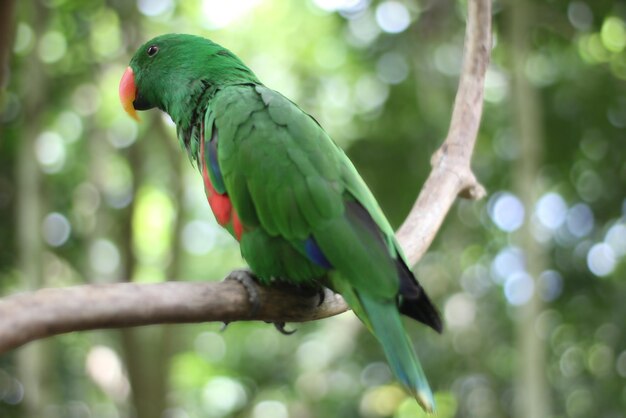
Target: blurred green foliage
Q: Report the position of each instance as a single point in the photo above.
(86, 195)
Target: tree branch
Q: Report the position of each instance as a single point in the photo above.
(29, 316)
(452, 175)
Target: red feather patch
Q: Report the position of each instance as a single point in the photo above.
(220, 203)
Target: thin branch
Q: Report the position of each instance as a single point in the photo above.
(452, 175)
(47, 312)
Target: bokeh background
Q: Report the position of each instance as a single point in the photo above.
(531, 281)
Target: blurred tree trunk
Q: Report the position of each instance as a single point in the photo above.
(98, 152)
(177, 190)
(135, 357)
(31, 358)
(148, 350)
(34, 366)
(7, 28)
(431, 93)
(141, 345)
(532, 393)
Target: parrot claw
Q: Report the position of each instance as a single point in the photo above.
(246, 279)
(280, 326)
(224, 326)
(321, 293)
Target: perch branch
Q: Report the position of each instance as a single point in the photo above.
(29, 316)
(46, 312)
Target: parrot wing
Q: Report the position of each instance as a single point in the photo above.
(284, 174)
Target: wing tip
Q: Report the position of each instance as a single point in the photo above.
(413, 300)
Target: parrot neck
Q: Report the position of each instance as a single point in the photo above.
(186, 106)
(188, 113)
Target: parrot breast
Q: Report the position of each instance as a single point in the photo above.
(220, 204)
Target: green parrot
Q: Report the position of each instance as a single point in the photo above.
(280, 185)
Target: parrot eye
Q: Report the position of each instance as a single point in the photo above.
(152, 50)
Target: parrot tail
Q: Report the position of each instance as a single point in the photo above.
(386, 325)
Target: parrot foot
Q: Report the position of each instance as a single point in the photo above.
(249, 283)
(246, 279)
(280, 326)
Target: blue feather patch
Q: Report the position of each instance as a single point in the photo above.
(315, 254)
(214, 168)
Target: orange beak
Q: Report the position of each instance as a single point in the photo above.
(128, 93)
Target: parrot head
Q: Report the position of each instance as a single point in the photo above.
(170, 71)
